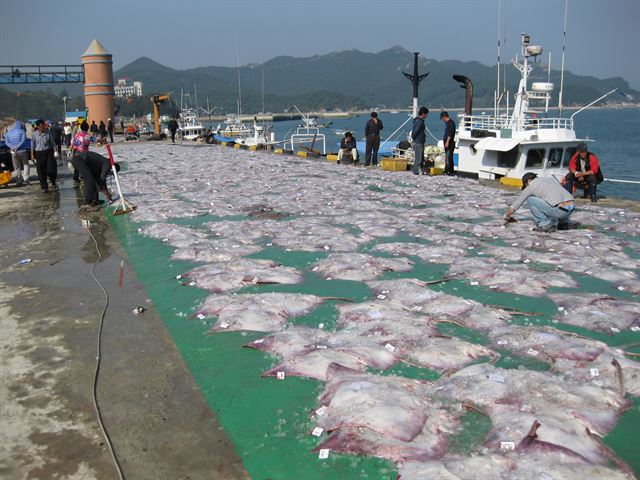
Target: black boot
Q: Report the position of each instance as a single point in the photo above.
(593, 192)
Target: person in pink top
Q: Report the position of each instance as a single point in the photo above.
(89, 167)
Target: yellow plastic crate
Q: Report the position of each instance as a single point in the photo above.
(393, 164)
(332, 158)
(279, 150)
(436, 171)
(511, 182)
(5, 177)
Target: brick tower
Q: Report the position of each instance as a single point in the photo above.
(98, 83)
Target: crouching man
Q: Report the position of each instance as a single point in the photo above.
(550, 204)
(348, 146)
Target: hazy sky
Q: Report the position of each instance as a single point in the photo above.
(602, 40)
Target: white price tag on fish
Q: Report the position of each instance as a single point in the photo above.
(635, 328)
(178, 277)
(381, 297)
(322, 411)
(594, 372)
(317, 431)
(192, 284)
(321, 347)
(615, 330)
(474, 283)
(390, 347)
(324, 453)
(496, 378)
(503, 342)
(201, 316)
(224, 325)
(532, 352)
(507, 446)
(321, 325)
(280, 375)
(259, 341)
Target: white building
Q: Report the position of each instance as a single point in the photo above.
(124, 88)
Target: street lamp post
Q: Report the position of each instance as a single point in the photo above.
(64, 101)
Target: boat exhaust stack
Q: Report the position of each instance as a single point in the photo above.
(415, 80)
(468, 87)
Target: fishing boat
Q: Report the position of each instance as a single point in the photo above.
(509, 144)
(188, 125)
(238, 132)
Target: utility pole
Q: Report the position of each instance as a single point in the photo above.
(415, 80)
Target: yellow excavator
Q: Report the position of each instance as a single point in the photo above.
(157, 100)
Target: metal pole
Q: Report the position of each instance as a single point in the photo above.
(564, 43)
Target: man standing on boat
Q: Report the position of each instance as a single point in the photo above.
(372, 134)
(449, 142)
(583, 170)
(419, 137)
(550, 204)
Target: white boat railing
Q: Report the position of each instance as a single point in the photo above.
(489, 122)
(307, 134)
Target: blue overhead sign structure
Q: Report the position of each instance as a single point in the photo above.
(21, 74)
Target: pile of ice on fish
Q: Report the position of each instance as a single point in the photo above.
(364, 225)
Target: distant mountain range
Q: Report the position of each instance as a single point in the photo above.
(346, 80)
(351, 79)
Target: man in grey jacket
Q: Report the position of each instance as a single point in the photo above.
(550, 204)
(42, 145)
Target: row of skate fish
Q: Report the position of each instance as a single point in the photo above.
(375, 227)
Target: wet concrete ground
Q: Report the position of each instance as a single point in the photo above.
(159, 422)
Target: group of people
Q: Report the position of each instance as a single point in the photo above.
(372, 131)
(45, 145)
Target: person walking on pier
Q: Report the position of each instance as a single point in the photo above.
(110, 130)
(102, 129)
(372, 134)
(16, 140)
(419, 137)
(94, 129)
(550, 204)
(449, 142)
(584, 170)
(173, 128)
(42, 145)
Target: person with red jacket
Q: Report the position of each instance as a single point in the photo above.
(583, 171)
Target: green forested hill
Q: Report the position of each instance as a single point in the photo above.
(345, 80)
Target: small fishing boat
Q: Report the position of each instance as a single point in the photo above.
(188, 125)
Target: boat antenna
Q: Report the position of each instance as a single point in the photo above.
(239, 88)
(195, 92)
(564, 43)
(498, 94)
(263, 89)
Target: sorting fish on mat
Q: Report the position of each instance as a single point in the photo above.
(232, 275)
(265, 312)
(596, 311)
(360, 267)
(514, 278)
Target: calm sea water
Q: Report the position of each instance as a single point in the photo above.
(616, 134)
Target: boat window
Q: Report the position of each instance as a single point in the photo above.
(535, 158)
(509, 159)
(568, 153)
(555, 158)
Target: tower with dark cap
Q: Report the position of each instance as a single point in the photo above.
(98, 82)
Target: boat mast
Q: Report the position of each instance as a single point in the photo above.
(239, 88)
(564, 42)
(415, 80)
(497, 95)
(263, 89)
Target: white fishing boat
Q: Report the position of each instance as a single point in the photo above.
(511, 143)
(237, 131)
(188, 125)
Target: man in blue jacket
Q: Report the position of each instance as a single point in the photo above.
(16, 140)
(419, 137)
